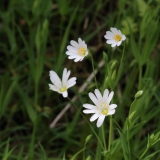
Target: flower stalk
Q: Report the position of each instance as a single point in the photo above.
(88, 123)
(93, 70)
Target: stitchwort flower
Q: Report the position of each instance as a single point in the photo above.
(101, 107)
(77, 51)
(61, 86)
(114, 37)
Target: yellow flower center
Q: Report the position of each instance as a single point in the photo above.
(104, 108)
(117, 37)
(105, 111)
(82, 51)
(63, 89)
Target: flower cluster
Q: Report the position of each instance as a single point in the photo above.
(77, 51)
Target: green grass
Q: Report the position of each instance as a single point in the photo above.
(34, 36)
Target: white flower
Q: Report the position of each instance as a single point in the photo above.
(77, 51)
(102, 107)
(115, 37)
(61, 86)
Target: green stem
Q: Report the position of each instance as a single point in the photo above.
(140, 77)
(143, 153)
(94, 70)
(87, 122)
(128, 141)
(84, 152)
(32, 142)
(120, 67)
(110, 133)
(103, 136)
(36, 94)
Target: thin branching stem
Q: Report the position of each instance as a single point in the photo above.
(88, 123)
(103, 136)
(36, 95)
(120, 67)
(128, 140)
(110, 133)
(143, 153)
(93, 70)
(140, 77)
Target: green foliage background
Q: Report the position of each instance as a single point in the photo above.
(34, 35)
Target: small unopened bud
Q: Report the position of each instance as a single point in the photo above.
(106, 82)
(88, 138)
(45, 25)
(113, 77)
(131, 115)
(138, 94)
(113, 65)
(105, 56)
(152, 136)
(88, 158)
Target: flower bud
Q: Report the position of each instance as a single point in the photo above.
(113, 65)
(113, 77)
(88, 158)
(88, 138)
(106, 82)
(138, 94)
(105, 56)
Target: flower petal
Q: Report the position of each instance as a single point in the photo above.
(64, 79)
(71, 57)
(74, 44)
(100, 120)
(93, 98)
(80, 41)
(118, 44)
(98, 94)
(123, 37)
(110, 41)
(94, 117)
(89, 106)
(109, 35)
(72, 49)
(110, 97)
(89, 111)
(112, 106)
(68, 74)
(119, 32)
(105, 94)
(71, 53)
(113, 44)
(65, 94)
(71, 82)
(81, 59)
(114, 30)
(52, 87)
(77, 59)
(55, 79)
(111, 112)
(85, 46)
